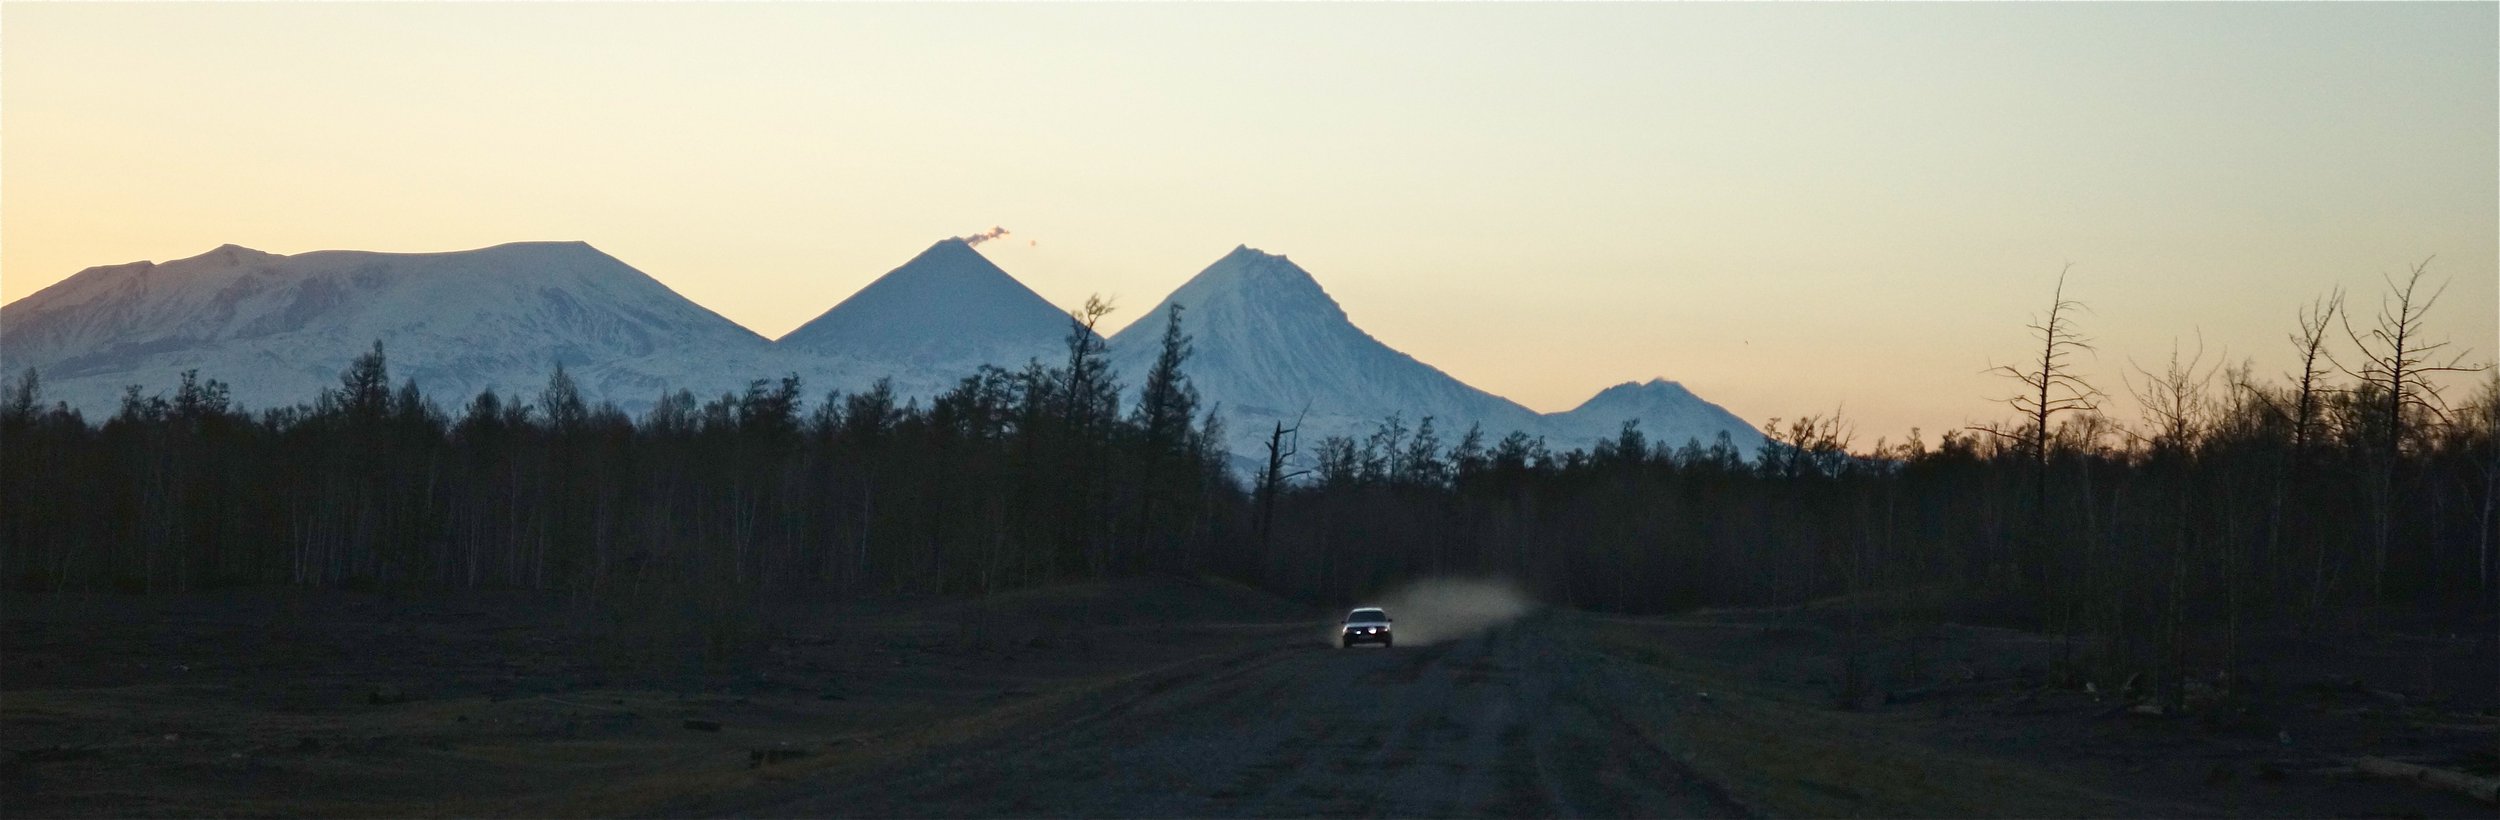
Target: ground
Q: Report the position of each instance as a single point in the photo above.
(1165, 697)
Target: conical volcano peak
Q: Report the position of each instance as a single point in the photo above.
(1247, 253)
(953, 247)
(1244, 256)
(1669, 413)
(947, 263)
(946, 257)
(1627, 394)
(1271, 347)
(947, 305)
(1251, 274)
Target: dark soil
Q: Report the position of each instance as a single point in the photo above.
(2277, 740)
(1187, 697)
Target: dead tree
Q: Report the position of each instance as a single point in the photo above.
(1282, 443)
(2311, 383)
(2051, 387)
(2308, 393)
(2396, 363)
(2174, 400)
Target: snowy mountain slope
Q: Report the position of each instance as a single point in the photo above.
(1269, 342)
(279, 328)
(1668, 413)
(933, 321)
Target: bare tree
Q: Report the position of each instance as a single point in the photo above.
(2308, 394)
(2175, 402)
(1282, 443)
(2396, 363)
(2051, 387)
(2311, 382)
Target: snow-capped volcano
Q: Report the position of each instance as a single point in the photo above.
(1270, 342)
(1668, 413)
(279, 328)
(936, 319)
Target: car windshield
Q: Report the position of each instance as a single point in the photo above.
(1368, 616)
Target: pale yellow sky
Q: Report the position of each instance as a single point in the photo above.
(1786, 207)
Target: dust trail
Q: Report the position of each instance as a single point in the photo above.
(1442, 609)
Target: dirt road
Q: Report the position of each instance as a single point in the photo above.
(1498, 723)
(1148, 697)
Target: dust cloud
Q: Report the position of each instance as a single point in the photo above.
(1443, 609)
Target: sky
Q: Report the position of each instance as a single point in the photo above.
(1789, 208)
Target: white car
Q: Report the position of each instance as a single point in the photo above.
(1367, 625)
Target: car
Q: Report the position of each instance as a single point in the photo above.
(1367, 625)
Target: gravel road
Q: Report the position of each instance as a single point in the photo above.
(1512, 721)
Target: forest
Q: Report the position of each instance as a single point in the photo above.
(2236, 500)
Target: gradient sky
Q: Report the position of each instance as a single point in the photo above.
(1789, 208)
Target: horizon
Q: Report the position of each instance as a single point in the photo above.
(961, 241)
(1881, 199)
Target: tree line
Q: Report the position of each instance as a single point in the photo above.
(2234, 499)
(1009, 479)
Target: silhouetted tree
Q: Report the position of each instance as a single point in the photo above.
(2395, 365)
(2052, 388)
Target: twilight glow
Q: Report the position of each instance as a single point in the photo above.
(1789, 208)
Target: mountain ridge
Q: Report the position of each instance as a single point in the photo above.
(277, 327)
(1272, 347)
(1271, 344)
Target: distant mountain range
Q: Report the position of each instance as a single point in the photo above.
(1271, 345)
